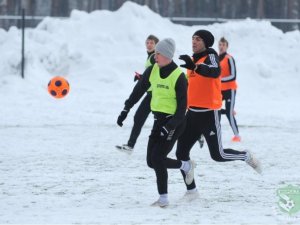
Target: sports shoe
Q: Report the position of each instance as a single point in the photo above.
(201, 141)
(161, 203)
(125, 148)
(190, 195)
(253, 162)
(236, 138)
(189, 176)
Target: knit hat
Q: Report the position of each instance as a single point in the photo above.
(166, 47)
(206, 36)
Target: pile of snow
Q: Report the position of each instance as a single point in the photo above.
(58, 156)
(109, 47)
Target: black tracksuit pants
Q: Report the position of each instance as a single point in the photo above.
(139, 120)
(208, 124)
(157, 151)
(229, 97)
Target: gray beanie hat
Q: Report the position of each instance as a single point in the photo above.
(166, 47)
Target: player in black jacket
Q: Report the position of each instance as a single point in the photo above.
(168, 104)
(143, 110)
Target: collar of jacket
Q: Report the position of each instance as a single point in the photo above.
(167, 70)
(221, 56)
(197, 56)
(150, 53)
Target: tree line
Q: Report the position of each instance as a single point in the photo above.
(228, 9)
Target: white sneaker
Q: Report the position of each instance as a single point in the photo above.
(189, 176)
(190, 195)
(160, 203)
(125, 148)
(253, 162)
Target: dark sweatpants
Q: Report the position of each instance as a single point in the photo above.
(140, 117)
(208, 124)
(157, 151)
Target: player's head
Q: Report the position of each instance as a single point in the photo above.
(151, 42)
(223, 45)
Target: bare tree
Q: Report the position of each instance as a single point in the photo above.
(85, 5)
(183, 8)
(171, 8)
(285, 8)
(156, 6)
(42, 8)
(3, 11)
(74, 4)
(221, 8)
(260, 9)
(59, 8)
(105, 4)
(293, 12)
(234, 9)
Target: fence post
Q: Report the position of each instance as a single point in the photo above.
(23, 44)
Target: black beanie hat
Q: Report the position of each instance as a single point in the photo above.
(207, 37)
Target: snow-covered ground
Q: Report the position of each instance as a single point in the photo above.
(58, 163)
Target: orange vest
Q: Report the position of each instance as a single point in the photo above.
(225, 72)
(203, 92)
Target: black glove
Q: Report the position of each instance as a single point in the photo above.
(189, 64)
(137, 76)
(122, 117)
(166, 133)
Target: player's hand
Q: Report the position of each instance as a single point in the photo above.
(189, 64)
(122, 117)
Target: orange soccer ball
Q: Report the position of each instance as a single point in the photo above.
(58, 87)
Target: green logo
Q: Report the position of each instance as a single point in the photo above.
(289, 199)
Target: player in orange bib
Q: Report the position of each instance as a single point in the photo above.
(228, 86)
(204, 103)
